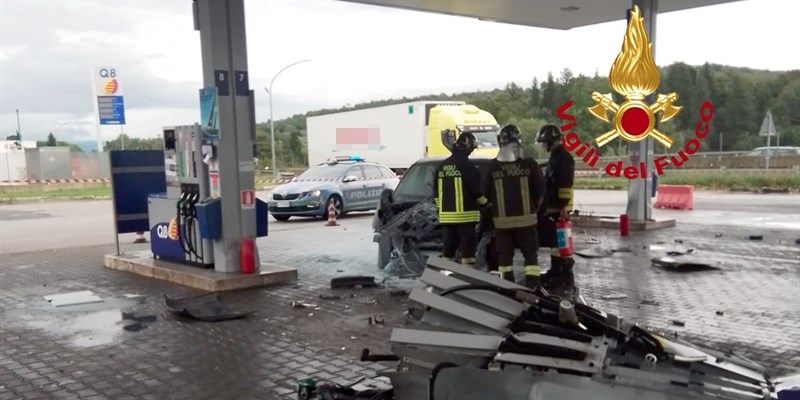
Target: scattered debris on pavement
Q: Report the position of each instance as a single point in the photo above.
(353, 281)
(615, 296)
(326, 296)
(592, 241)
(678, 322)
(300, 304)
(718, 235)
(133, 323)
(679, 253)
(797, 241)
(650, 302)
(399, 292)
(594, 252)
(206, 308)
(377, 320)
(73, 298)
(720, 313)
(756, 237)
(682, 264)
(326, 259)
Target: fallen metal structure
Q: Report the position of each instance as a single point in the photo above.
(403, 230)
(481, 337)
(409, 231)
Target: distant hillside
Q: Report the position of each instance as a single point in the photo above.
(741, 97)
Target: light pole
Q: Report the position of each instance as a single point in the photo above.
(272, 120)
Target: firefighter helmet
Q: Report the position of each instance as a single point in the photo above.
(466, 143)
(549, 134)
(509, 134)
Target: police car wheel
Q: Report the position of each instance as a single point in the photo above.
(281, 217)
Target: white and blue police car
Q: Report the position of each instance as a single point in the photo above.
(349, 182)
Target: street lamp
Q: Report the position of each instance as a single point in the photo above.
(272, 120)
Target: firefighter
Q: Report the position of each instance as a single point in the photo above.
(456, 186)
(559, 178)
(514, 185)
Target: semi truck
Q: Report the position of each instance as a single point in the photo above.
(398, 135)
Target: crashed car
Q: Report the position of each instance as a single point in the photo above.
(406, 222)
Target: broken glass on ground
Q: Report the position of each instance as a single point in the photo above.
(206, 308)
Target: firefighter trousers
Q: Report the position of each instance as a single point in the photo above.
(507, 241)
(460, 237)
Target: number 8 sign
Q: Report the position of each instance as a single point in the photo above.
(222, 82)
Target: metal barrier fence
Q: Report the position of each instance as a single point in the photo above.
(58, 165)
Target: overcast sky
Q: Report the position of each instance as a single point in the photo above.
(359, 52)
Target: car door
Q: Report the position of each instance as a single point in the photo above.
(355, 192)
(390, 179)
(375, 185)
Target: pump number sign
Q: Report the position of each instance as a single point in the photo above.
(248, 199)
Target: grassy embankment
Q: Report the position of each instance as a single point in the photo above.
(701, 181)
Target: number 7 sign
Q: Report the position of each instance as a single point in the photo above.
(242, 83)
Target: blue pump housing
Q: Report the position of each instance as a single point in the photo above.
(209, 217)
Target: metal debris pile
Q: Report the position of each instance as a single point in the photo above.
(405, 230)
(480, 337)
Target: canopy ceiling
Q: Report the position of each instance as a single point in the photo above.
(554, 14)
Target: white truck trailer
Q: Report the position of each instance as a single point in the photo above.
(398, 135)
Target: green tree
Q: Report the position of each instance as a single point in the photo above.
(133, 143)
(51, 140)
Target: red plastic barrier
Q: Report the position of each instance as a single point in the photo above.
(677, 197)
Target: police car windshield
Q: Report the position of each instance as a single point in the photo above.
(321, 172)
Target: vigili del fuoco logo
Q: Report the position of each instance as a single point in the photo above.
(635, 76)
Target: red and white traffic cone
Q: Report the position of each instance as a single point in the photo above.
(331, 214)
(140, 238)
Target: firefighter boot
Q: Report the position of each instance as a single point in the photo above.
(506, 273)
(552, 278)
(468, 262)
(532, 276)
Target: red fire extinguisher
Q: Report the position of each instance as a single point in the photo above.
(564, 238)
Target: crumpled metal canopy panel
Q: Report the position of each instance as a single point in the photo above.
(554, 14)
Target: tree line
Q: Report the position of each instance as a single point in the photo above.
(741, 98)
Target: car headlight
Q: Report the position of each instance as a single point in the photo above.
(314, 193)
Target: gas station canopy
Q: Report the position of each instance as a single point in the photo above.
(554, 14)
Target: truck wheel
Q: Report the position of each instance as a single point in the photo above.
(281, 217)
(337, 204)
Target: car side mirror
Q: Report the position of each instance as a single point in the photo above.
(349, 178)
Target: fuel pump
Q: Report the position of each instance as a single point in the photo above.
(175, 231)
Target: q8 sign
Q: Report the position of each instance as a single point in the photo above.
(110, 104)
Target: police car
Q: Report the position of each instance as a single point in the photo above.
(349, 182)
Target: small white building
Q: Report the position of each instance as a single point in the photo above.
(13, 165)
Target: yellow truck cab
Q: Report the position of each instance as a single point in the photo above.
(462, 118)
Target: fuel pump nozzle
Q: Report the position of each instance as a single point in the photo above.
(180, 208)
(191, 218)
